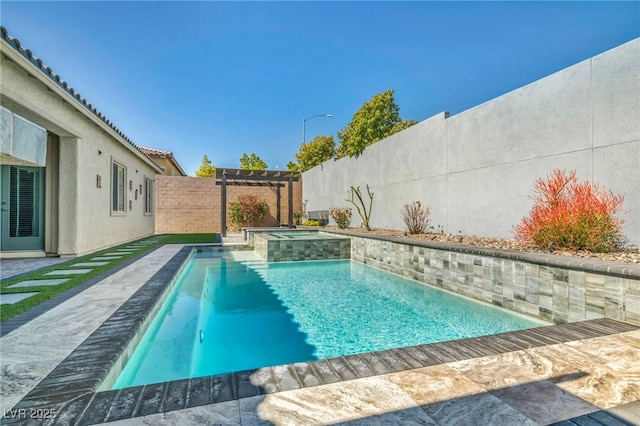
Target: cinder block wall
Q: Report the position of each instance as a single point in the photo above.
(186, 204)
(476, 170)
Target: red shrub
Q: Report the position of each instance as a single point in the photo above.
(248, 210)
(572, 215)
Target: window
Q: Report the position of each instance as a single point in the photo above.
(118, 177)
(21, 141)
(148, 195)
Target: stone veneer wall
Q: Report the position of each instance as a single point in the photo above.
(273, 249)
(550, 287)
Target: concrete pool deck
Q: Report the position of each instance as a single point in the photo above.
(575, 376)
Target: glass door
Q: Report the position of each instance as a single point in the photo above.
(22, 208)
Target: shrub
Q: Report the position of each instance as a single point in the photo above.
(341, 216)
(416, 218)
(297, 216)
(247, 211)
(571, 215)
(311, 222)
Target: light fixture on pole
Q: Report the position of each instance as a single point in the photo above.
(304, 122)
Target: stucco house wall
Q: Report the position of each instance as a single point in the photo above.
(82, 145)
(477, 169)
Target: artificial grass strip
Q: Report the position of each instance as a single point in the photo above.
(191, 238)
(8, 311)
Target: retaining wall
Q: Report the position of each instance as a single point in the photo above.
(554, 288)
(477, 169)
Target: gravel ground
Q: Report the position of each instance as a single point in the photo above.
(631, 255)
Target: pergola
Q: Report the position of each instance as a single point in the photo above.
(275, 178)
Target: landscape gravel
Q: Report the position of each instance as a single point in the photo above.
(629, 255)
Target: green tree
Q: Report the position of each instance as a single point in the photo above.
(293, 167)
(206, 168)
(252, 162)
(377, 119)
(319, 150)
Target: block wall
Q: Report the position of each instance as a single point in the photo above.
(186, 204)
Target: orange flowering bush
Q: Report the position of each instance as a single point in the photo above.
(572, 215)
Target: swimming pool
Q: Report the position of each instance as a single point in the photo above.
(232, 312)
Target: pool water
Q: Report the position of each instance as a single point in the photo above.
(231, 313)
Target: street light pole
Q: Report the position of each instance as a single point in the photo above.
(304, 123)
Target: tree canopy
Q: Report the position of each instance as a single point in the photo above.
(376, 119)
(293, 167)
(252, 162)
(319, 150)
(206, 168)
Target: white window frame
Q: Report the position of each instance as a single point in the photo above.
(148, 196)
(119, 206)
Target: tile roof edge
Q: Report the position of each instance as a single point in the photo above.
(47, 71)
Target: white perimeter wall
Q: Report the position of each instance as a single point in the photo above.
(476, 170)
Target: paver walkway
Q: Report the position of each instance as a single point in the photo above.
(13, 267)
(33, 350)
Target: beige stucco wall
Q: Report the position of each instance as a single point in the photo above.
(186, 204)
(170, 168)
(85, 222)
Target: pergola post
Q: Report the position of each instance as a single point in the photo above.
(290, 201)
(223, 205)
(278, 204)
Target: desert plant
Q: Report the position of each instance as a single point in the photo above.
(297, 216)
(572, 215)
(311, 222)
(416, 218)
(364, 213)
(247, 210)
(341, 216)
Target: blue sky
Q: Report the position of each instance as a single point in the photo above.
(224, 78)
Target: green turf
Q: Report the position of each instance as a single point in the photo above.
(47, 292)
(190, 238)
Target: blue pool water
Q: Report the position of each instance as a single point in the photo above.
(227, 314)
